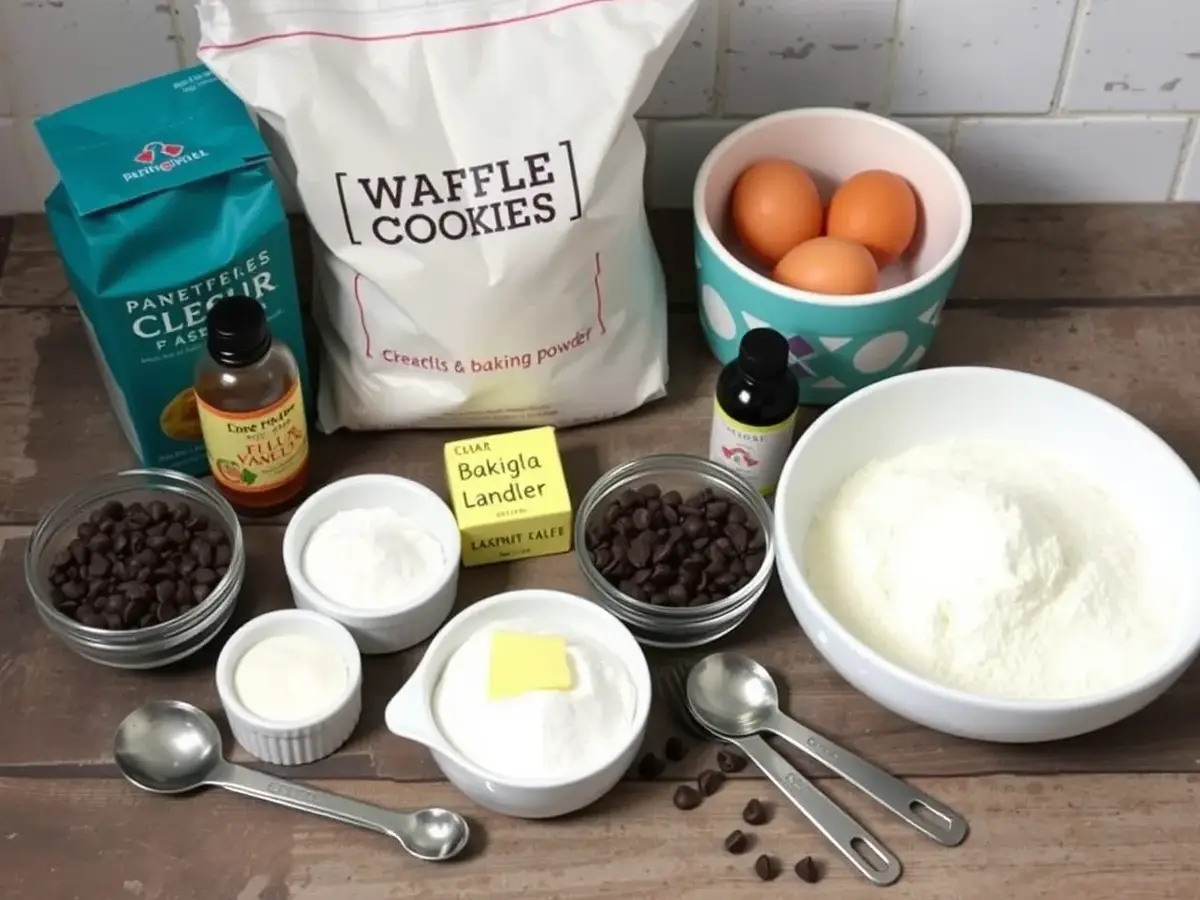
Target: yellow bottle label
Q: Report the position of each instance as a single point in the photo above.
(755, 453)
(256, 451)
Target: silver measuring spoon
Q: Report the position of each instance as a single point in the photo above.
(741, 694)
(861, 849)
(169, 747)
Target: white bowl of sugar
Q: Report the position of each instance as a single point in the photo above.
(992, 554)
(532, 702)
(377, 553)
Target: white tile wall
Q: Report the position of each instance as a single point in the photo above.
(187, 25)
(1004, 57)
(686, 86)
(785, 53)
(1069, 161)
(65, 50)
(1136, 55)
(1036, 100)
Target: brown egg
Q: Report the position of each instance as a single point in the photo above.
(775, 206)
(829, 265)
(879, 210)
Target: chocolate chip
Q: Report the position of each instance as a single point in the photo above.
(686, 797)
(755, 813)
(808, 871)
(675, 750)
(737, 842)
(729, 762)
(132, 566)
(650, 767)
(657, 548)
(765, 868)
(710, 782)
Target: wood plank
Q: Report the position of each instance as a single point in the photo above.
(1061, 253)
(6, 230)
(79, 704)
(1052, 838)
(1084, 252)
(51, 402)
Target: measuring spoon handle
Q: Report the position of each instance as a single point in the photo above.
(252, 783)
(850, 839)
(929, 816)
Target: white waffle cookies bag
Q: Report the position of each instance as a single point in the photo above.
(472, 171)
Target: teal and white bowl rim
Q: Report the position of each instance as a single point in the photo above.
(766, 284)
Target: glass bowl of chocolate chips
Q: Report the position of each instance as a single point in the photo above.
(137, 569)
(676, 547)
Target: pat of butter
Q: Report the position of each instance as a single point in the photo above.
(509, 495)
(521, 663)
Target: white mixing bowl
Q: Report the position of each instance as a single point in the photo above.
(410, 713)
(1097, 438)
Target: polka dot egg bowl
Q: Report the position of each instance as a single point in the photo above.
(838, 344)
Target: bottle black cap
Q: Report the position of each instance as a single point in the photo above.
(763, 354)
(238, 334)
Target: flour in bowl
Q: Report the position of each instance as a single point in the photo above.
(992, 569)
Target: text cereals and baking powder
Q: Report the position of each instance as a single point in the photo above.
(539, 734)
(991, 569)
(373, 558)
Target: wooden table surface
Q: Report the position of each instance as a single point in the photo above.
(1106, 298)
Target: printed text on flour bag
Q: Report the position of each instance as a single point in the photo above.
(451, 204)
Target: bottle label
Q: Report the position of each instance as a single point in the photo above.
(757, 454)
(251, 452)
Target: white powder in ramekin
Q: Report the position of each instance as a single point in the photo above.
(540, 734)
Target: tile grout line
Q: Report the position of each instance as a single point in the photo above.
(1181, 165)
(1070, 50)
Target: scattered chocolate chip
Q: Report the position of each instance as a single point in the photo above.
(650, 767)
(755, 813)
(675, 750)
(808, 871)
(765, 869)
(656, 548)
(686, 797)
(710, 782)
(737, 842)
(132, 566)
(729, 761)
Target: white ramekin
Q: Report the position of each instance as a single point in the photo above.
(293, 743)
(410, 713)
(385, 629)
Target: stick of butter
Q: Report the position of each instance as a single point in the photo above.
(521, 663)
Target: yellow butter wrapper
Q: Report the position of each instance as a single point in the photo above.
(509, 496)
(521, 663)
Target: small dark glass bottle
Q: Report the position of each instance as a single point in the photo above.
(251, 409)
(754, 411)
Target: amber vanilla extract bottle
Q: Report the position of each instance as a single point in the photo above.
(251, 410)
(754, 410)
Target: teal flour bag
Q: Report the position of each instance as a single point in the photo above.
(165, 205)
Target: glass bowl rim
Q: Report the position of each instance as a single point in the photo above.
(619, 477)
(107, 487)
